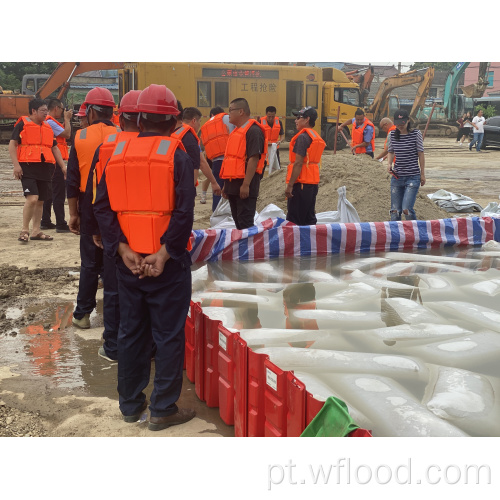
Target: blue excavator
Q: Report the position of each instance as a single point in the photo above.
(454, 105)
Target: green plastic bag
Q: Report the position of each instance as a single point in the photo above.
(333, 420)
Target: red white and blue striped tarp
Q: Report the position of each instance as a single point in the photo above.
(279, 238)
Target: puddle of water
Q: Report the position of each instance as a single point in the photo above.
(46, 346)
(439, 308)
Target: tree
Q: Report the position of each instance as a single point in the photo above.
(488, 111)
(11, 73)
(438, 66)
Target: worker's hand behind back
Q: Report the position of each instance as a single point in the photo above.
(131, 259)
(153, 264)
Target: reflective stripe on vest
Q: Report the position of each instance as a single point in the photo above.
(140, 182)
(235, 157)
(183, 130)
(357, 136)
(214, 136)
(309, 174)
(272, 133)
(61, 142)
(35, 141)
(86, 142)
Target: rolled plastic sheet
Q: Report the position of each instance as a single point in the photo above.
(276, 237)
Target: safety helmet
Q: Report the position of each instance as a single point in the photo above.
(81, 111)
(128, 104)
(100, 97)
(157, 99)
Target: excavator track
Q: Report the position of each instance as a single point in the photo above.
(439, 130)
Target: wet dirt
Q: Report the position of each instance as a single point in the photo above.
(53, 383)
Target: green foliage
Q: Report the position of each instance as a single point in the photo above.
(488, 111)
(11, 73)
(438, 66)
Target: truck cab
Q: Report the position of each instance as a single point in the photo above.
(32, 83)
(338, 92)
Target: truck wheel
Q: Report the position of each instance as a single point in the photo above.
(330, 139)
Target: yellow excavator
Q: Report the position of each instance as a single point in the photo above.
(380, 105)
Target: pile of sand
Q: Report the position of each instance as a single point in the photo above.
(367, 188)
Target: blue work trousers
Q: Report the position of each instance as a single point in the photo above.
(478, 141)
(91, 268)
(403, 195)
(152, 309)
(111, 307)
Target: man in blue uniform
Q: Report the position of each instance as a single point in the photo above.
(99, 109)
(145, 199)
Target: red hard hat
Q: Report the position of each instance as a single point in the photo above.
(81, 111)
(100, 97)
(157, 99)
(128, 104)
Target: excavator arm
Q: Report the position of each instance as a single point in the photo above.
(477, 89)
(379, 104)
(422, 93)
(65, 71)
(364, 80)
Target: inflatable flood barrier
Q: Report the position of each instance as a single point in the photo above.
(275, 238)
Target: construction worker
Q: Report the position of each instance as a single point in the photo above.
(99, 110)
(363, 134)
(34, 152)
(187, 132)
(214, 135)
(61, 133)
(82, 117)
(274, 129)
(306, 148)
(243, 163)
(153, 265)
(111, 309)
(386, 126)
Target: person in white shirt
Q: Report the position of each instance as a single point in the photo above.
(478, 124)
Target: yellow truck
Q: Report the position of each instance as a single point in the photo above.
(288, 88)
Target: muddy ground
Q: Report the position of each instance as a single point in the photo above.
(52, 383)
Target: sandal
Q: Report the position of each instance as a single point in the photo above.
(42, 237)
(23, 236)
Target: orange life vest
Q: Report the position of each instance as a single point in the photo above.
(234, 164)
(357, 136)
(388, 132)
(141, 189)
(61, 142)
(272, 133)
(310, 167)
(36, 140)
(105, 152)
(181, 132)
(86, 142)
(214, 136)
